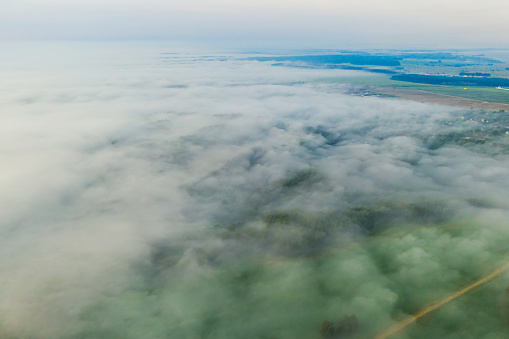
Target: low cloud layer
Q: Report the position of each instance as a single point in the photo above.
(181, 196)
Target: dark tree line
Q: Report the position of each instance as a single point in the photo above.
(451, 80)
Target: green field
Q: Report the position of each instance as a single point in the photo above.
(475, 93)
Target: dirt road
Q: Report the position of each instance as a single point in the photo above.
(439, 303)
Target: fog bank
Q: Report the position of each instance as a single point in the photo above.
(161, 193)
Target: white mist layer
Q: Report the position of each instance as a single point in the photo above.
(121, 168)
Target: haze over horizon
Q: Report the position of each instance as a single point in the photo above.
(298, 24)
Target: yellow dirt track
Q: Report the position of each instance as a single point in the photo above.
(439, 303)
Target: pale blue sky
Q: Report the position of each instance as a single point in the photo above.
(317, 23)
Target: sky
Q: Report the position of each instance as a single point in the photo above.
(300, 23)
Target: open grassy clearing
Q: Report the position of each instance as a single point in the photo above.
(475, 93)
